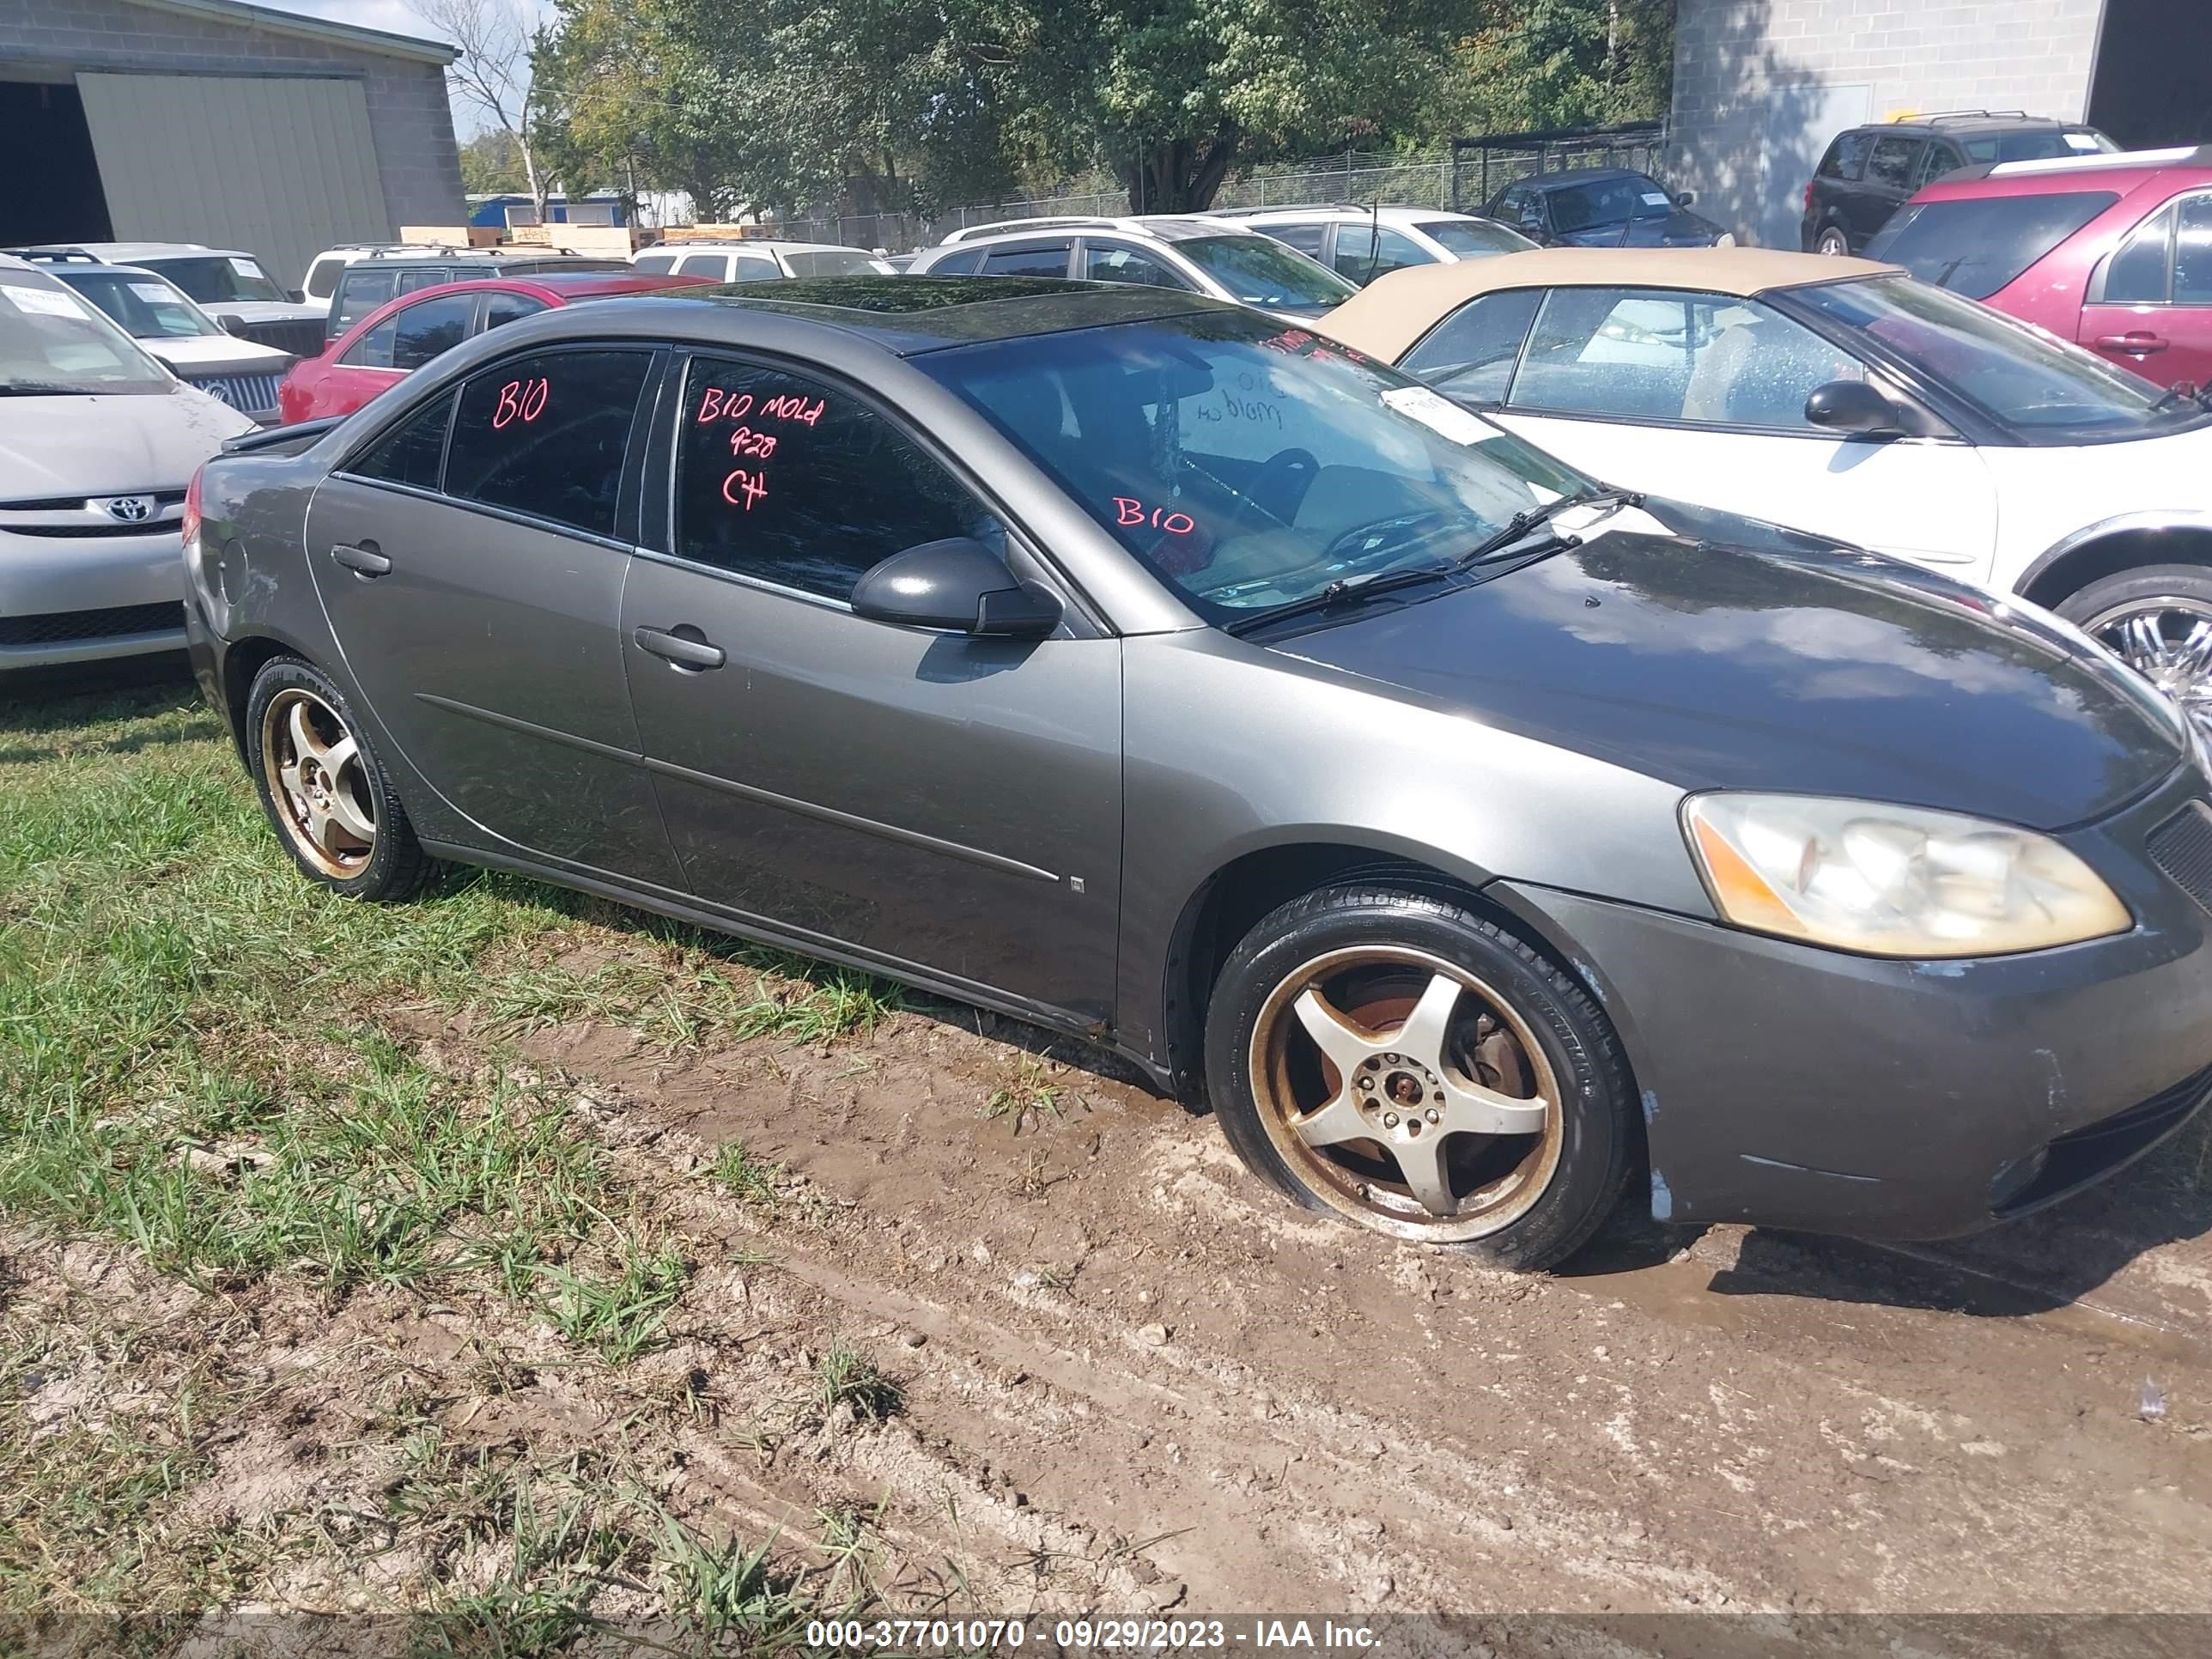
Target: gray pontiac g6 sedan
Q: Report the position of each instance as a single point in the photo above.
(1476, 840)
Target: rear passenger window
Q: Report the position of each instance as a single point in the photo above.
(547, 434)
(796, 483)
(659, 263)
(756, 268)
(359, 293)
(1027, 261)
(1847, 157)
(1890, 164)
(1304, 238)
(412, 453)
(414, 282)
(702, 265)
(427, 328)
(1472, 353)
(958, 264)
(503, 309)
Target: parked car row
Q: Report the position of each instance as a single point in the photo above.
(1185, 680)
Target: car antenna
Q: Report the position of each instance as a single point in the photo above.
(1374, 236)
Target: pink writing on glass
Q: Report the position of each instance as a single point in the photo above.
(1130, 512)
(520, 400)
(745, 442)
(742, 488)
(718, 405)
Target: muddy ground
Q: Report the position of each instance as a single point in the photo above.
(1129, 1378)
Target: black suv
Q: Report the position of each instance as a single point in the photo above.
(1870, 172)
(367, 284)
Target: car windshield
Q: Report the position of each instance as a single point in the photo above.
(1259, 271)
(2016, 375)
(53, 342)
(835, 262)
(1976, 245)
(147, 307)
(218, 278)
(1249, 465)
(1609, 201)
(2043, 144)
(1472, 238)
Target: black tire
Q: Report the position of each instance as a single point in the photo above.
(1586, 1152)
(1831, 241)
(386, 865)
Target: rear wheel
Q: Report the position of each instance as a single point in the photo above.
(1831, 242)
(1408, 1065)
(2157, 620)
(324, 788)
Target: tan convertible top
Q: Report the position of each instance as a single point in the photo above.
(1385, 317)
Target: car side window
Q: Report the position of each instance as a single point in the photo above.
(373, 348)
(412, 453)
(963, 263)
(414, 282)
(503, 309)
(427, 328)
(1472, 352)
(322, 278)
(1357, 257)
(755, 268)
(2137, 274)
(658, 264)
(1890, 164)
(2192, 252)
(784, 478)
(1050, 260)
(360, 292)
(1306, 239)
(547, 434)
(1103, 262)
(1847, 157)
(702, 265)
(1656, 355)
(1936, 161)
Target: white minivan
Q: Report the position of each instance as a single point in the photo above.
(98, 445)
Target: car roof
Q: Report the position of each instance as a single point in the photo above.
(558, 285)
(1387, 213)
(1576, 176)
(1385, 317)
(1970, 120)
(492, 261)
(114, 253)
(910, 315)
(2120, 170)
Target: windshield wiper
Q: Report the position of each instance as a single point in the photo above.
(2184, 391)
(37, 389)
(1344, 590)
(1521, 523)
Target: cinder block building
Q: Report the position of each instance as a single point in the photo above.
(1761, 86)
(219, 122)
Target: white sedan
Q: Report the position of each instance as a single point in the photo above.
(1845, 398)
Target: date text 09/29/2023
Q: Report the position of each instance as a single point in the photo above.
(1254, 1632)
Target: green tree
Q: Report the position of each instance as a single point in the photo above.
(491, 165)
(1539, 64)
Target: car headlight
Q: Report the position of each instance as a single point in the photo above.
(1893, 881)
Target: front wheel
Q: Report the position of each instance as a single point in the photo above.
(1408, 1065)
(2157, 620)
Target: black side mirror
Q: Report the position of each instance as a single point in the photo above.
(295, 296)
(1853, 406)
(1686, 198)
(232, 325)
(958, 584)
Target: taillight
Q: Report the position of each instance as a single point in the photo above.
(190, 524)
(1808, 195)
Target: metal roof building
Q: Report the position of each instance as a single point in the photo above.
(219, 122)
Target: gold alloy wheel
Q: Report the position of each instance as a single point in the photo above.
(1408, 1095)
(317, 779)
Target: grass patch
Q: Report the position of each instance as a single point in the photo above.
(743, 1176)
(694, 989)
(843, 1376)
(621, 1313)
(1029, 1095)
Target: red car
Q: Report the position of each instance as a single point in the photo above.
(2113, 251)
(403, 334)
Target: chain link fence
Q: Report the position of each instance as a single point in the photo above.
(1461, 177)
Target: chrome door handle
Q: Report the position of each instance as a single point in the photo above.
(680, 647)
(364, 561)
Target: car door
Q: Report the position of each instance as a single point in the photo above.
(1702, 397)
(930, 798)
(2149, 304)
(1887, 182)
(474, 584)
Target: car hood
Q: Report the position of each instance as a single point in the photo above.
(103, 446)
(1717, 666)
(1680, 228)
(266, 311)
(216, 353)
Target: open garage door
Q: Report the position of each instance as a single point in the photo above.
(280, 168)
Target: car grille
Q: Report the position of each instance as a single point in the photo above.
(301, 336)
(2182, 847)
(74, 515)
(62, 627)
(250, 394)
(2080, 1156)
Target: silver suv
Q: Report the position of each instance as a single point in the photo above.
(1195, 255)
